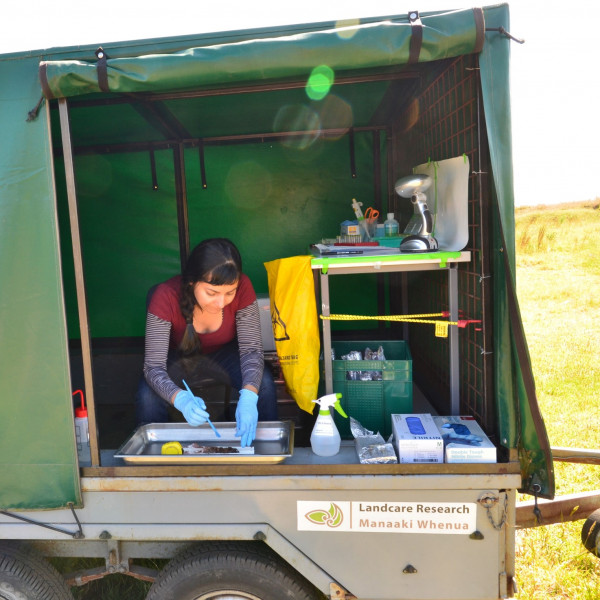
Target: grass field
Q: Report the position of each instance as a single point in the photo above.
(558, 284)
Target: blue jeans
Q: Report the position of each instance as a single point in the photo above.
(222, 365)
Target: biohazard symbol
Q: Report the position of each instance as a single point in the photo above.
(330, 518)
(280, 333)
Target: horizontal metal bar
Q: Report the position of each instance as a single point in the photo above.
(572, 507)
(243, 89)
(576, 455)
(211, 141)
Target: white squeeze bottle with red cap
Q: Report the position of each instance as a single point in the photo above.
(325, 438)
(82, 431)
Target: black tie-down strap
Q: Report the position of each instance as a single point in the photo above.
(416, 39)
(102, 70)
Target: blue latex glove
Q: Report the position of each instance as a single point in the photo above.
(191, 407)
(246, 416)
(459, 434)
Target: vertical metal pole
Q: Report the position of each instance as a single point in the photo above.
(86, 349)
(404, 305)
(377, 169)
(484, 277)
(324, 280)
(453, 339)
(383, 282)
(181, 198)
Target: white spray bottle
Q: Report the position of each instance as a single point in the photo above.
(325, 438)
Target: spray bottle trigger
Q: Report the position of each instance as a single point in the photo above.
(338, 406)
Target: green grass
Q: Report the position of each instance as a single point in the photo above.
(558, 284)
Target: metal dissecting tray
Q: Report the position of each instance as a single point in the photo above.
(274, 442)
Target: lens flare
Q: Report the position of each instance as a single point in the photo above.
(293, 118)
(319, 82)
(336, 113)
(347, 29)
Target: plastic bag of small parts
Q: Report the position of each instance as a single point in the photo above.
(371, 447)
(368, 355)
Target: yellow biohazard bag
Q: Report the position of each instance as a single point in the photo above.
(295, 326)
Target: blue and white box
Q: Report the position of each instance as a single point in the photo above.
(465, 441)
(417, 439)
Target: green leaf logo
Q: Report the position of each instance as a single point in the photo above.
(330, 518)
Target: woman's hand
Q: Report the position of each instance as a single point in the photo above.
(192, 407)
(246, 416)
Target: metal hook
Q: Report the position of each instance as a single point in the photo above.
(503, 31)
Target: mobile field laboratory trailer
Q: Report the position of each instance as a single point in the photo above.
(115, 161)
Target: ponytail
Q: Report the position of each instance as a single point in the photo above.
(190, 343)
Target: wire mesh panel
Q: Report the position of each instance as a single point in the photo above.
(446, 121)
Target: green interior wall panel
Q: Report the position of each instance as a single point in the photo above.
(269, 198)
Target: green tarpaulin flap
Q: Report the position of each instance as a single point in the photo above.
(520, 423)
(36, 471)
(370, 45)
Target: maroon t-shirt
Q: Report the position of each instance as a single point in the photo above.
(165, 305)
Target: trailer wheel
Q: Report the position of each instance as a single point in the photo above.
(590, 534)
(230, 571)
(25, 575)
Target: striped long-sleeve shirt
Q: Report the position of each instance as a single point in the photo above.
(165, 326)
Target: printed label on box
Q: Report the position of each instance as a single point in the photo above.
(417, 439)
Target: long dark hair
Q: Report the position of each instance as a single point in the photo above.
(216, 261)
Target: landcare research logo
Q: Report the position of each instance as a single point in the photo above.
(393, 516)
(331, 518)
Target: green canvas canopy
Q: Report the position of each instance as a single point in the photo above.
(366, 46)
(38, 468)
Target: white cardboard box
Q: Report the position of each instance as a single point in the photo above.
(417, 439)
(475, 448)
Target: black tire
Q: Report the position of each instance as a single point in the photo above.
(590, 533)
(25, 575)
(230, 571)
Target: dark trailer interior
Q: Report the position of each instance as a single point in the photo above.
(151, 157)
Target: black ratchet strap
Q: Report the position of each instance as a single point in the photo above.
(101, 69)
(416, 39)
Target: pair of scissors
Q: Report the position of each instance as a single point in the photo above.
(371, 214)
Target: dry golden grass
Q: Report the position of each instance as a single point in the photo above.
(558, 283)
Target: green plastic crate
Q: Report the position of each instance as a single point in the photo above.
(372, 402)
